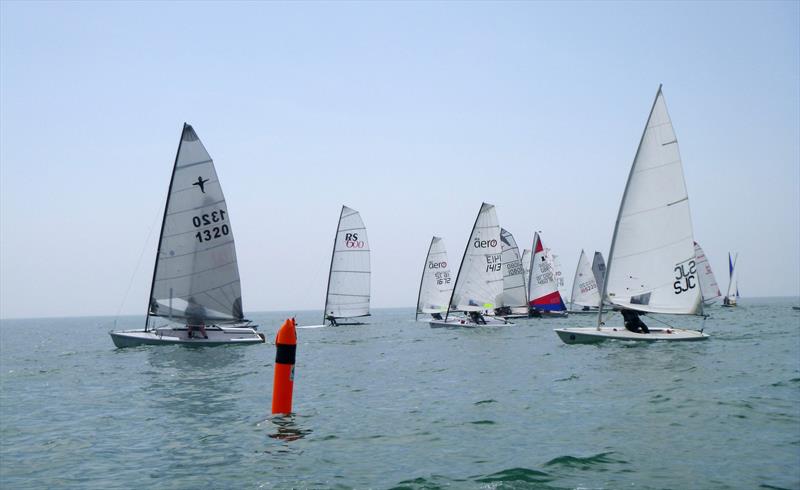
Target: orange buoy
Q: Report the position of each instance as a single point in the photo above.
(283, 383)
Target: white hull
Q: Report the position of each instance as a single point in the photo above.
(591, 335)
(466, 322)
(593, 311)
(179, 336)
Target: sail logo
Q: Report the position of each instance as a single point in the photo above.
(437, 265)
(351, 241)
(478, 243)
(685, 276)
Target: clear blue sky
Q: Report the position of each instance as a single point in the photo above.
(411, 112)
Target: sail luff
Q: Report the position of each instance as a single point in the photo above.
(422, 277)
(330, 269)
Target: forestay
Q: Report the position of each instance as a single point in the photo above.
(708, 283)
(514, 290)
(652, 266)
(584, 286)
(542, 288)
(479, 282)
(196, 274)
(349, 280)
(436, 285)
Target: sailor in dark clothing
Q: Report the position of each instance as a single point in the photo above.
(436, 316)
(195, 318)
(477, 318)
(332, 319)
(633, 322)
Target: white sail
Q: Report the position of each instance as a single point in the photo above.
(436, 285)
(708, 283)
(196, 274)
(479, 283)
(542, 287)
(599, 269)
(584, 288)
(514, 290)
(733, 284)
(526, 266)
(349, 280)
(652, 266)
(561, 284)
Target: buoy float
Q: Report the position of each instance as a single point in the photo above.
(283, 382)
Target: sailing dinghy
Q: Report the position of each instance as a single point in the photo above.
(436, 284)
(599, 270)
(733, 285)
(545, 299)
(348, 291)
(526, 266)
(196, 276)
(514, 300)
(585, 296)
(651, 265)
(479, 282)
(708, 283)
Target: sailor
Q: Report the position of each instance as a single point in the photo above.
(633, 322)
(436, 316)
(332, 319)
(477, 318)
(195, 317)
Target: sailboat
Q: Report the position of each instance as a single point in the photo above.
(196, 277)
(733, 285)
(651, 265)
(708, 283)
(561, 284)
(526, 266)
(514, 300)
(545, 299)
(599, 269)
(436, 283)
(585, 296)
(348, 292)
(479, 282)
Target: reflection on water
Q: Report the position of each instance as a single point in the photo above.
(287, 428)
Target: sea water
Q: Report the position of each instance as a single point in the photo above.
(397, 404)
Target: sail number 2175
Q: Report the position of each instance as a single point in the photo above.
(212, 232)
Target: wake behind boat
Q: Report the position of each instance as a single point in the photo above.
(652, 265)
(195, 286)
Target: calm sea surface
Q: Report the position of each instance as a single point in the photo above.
(397, 404)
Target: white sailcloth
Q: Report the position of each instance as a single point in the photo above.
(196, 274)
(479, 283)
(436, 285)
(543, 289)
(599, 269)
(349, 280)
(526, 266)
(557, 274)
(514, 290)
(652, 265)
(584, 287)
(708, 283)
(733, 284)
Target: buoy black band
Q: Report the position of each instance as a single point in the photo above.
(285, 354)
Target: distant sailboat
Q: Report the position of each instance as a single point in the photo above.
(526, 267)
(558, 275)
(651, 265)
(708, 283)
(479, 282)
(545, 299)
(514, 300)
(196, 275)
(732, 295)
(585, 296)
(436, 284)
(599, 269)
(348, 291)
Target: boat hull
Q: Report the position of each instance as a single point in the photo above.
(592, 335)
(179, 336)
(467, 323)
(583, 312)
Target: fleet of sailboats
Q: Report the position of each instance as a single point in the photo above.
(654, 264)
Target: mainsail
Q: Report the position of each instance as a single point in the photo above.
(436, 285)
(526, 266)
(557, 274)
(196, 275)
(599, 269)
(733, 285)
(584, 287)
(651, 265)
(349, 279)
(479, 282)
(708, 283)
(543, 289)
(514, 291)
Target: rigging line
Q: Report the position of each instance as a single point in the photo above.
(136, 269)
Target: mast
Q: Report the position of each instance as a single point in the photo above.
(330, 270)
(161, 233)
(619, 213)
(422, 277)
(460, 266)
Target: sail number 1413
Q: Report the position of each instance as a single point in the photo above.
(209, 219)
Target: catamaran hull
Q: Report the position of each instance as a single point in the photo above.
(592, 335)
(178, 336)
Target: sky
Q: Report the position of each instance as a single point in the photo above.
(413, 113)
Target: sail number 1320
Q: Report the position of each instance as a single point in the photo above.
(214, 231)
